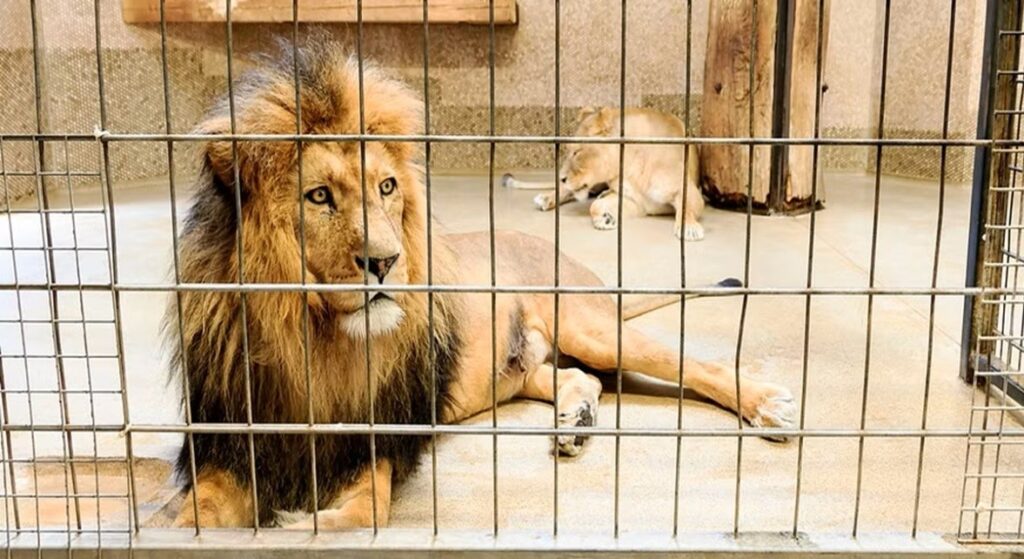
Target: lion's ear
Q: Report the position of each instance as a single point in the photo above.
(393, 110)
(218, 153)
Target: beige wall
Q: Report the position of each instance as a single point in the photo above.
(524, 76)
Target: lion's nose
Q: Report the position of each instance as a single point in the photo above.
(378, 266)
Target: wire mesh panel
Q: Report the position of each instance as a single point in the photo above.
(993, 500)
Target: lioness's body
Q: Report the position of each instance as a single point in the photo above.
(653, 181)
(301, 357)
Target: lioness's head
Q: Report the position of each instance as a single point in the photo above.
(587, 165)
(357, 222)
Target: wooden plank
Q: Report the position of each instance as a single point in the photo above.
(725, 169)
(374, 11)
(802, 97)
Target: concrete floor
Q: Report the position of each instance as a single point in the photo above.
(772, 349)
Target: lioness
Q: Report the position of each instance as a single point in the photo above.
(652, 174)
(301, 357)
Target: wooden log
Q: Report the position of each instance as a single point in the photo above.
(803, 92)
(725, 169)
(374, 11)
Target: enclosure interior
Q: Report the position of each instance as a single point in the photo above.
(878, 229)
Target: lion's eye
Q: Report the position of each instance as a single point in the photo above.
(388, 186)
(319, 195)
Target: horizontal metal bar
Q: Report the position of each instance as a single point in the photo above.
(563, 289)
(56, 320)
(486, 139)
(48, 174)
(61, 248)
(63, 495)
(1000, 475)
(409, 429)
(240, 543)
(37, 211)
(983, 508)
(94, 391)
(55, 356)
(75, 460)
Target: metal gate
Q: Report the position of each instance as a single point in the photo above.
(994, 332)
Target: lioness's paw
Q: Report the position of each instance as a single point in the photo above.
(544, 202)
(584, 415)
(775, 408)
(691, 232)
(605, 221)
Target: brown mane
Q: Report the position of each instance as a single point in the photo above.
(210, 348)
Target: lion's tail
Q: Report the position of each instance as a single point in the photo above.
(508, 181)
(645, 304)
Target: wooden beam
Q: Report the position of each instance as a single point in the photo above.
(803, 95)
(726, 169)
(374, 11)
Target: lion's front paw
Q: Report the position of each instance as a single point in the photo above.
(544, 202)
(691, 232)
(775, 407)
(605, 221)
(584, 415)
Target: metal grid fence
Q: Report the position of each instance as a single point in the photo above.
(96, 303)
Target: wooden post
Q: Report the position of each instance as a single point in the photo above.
(726, 169)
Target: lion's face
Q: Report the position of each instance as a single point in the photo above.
(342, 242)
(587, 165)
(336, 250)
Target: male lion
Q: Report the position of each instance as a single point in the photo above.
(328, 382)
(652, 181)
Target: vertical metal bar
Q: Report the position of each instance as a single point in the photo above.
(1007, 235)
(682, 270)
(746, 263)
(366, 255)
(28, 382)
(3, 382)
(984, 208)
(239, 246)
(431, 354)
(494, 258)
(872, 265)
(173, 200)
(784, 29)
(618, 259)
(7, 459)
(935, 261)
(85, 345)
(70, 463)
(110, 217)
(819, 70)
(558, 252)
(300, 203)
(39, 156)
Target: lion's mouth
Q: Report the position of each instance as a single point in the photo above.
(376, 298)
(381, 313)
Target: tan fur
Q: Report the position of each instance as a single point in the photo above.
(652, 181)
(396, 225)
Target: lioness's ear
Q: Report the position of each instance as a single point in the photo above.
(585, 112)
(603, 122)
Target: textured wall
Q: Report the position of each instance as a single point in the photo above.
(459, 77)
